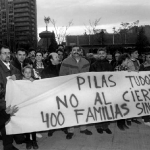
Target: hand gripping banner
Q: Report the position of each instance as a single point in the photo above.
(77, 100)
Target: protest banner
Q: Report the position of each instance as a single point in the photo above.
(77, 99)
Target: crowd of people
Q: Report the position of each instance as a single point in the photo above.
(37, 65)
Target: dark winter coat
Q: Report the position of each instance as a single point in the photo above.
(39, 70)
(144, 67)
(101, 66)
(16, 64)
(5, 72)
(50, 71)
(4, 117)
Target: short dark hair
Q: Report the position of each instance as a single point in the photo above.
(102, 49)
(27, 62)
(31, 49)
(38, 52)
(3, 46)
(117, 52)
(76, 46)
(132, 50)
(61, 46)
(59, 50)
(21, 49)
(44, 52)
(123, 57)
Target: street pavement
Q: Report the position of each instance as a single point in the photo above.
(135, 138)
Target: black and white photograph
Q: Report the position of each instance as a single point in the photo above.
(74, 74)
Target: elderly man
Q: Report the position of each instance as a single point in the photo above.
(52, 70)
(72, 65)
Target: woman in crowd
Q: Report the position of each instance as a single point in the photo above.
(114, 62)
(39, 65)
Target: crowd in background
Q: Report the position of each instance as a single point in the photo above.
(36, 65)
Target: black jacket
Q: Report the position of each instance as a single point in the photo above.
(5, 72)
(50, 71)
(4, 117)
(16, 64)
(101, 66)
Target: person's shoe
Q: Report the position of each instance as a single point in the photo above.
(99, 130)
(28, 144)
(121, 127)
(69, 136)
(20, 142)
(39, 135)
(34, 144)
(10, 147)
(87, 132)
(128, 122)
(50, 133)
(136, 121)
(108, 131)
(65, 130)
(14, 148)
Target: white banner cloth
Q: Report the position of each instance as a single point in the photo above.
(77, 99)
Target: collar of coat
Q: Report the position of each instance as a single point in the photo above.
(4, 67)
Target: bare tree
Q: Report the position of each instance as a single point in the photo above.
(125, 27)
(60, 32)
(91, 28)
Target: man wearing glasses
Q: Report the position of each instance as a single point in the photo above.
(6, 70)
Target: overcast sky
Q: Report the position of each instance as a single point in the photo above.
(111, 12)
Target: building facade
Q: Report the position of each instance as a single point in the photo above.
(128, 37)
(18, 23)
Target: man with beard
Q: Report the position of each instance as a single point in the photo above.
(72, 65)
(20, 57)
(7, 70)
(102, 65)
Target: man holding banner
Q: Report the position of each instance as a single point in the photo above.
(72, 65)
(6, 70)
(102, 65)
